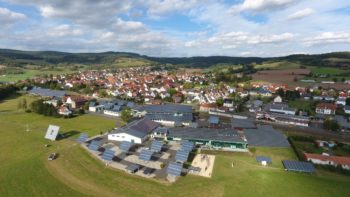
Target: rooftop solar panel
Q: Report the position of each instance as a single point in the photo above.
(125, 146)
(263, 158)
(174, 169)
(298, 166)
(157, 146)
(108, 155)
(182, 155)
(146, 155)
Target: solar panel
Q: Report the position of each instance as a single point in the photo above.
(82, 138)
(125, 146)
(187, 145)
(157, 146)
(52, 132)
(146, 155)
(108, 155)
(133, 168)
(263, 158)
(298, 166)
(182, 155)
(174, 169)
(94, 145)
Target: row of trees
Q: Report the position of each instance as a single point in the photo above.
(7, 90)
(40, 107)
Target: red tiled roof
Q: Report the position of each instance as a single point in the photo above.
(335, 159)
(327, 106)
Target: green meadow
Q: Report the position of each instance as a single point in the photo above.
(25, 170)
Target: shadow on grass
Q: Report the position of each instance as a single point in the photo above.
(68, 134)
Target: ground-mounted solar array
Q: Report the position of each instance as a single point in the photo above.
(82, 138)
(263, 158)
(94, 145)
(125, 146)
(174, 169)
(146, 155)
(108, 155)
(157, 146)
(298, 166)
(182, 155)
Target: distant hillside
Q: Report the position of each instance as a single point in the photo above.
(19, 58)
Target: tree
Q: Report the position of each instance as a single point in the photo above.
(330, 124)
(348, 101)
(172, 91)
(126, 114)
(220, 101)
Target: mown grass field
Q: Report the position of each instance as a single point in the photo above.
(25, 170)
(29, 73)
(326, 70)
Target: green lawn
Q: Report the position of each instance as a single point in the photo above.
(326, 70)
(305, 105)
(28, 73)
(25, 171)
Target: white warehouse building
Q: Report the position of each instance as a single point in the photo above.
(136, 132)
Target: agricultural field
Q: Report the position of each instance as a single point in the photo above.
(286, 76)
(25, 170)
(131, 62)
(276, 65)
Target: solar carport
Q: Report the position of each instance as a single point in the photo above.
(146, 155)
(82, 138)
(125, 146)
(108, 155)
(174, 169)
(298, 166)
(157, 146)
(94, 145)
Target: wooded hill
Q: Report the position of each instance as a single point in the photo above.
(19, 58)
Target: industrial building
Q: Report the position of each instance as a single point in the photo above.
(207, 138)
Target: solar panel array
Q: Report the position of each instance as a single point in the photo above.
(146, 155)
(174, 169)
(82, 138)
(108, 155)
(263, 158)
(94, 145)
(125, 146)
(157, 146)
(187, 145)
(182, 155)
(298, 166)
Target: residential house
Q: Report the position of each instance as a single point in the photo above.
(344, 162)
(326, 108)
(75, 102)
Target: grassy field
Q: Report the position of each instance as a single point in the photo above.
(326, 70)
(277, 65)
(28, 73)
(25, 170)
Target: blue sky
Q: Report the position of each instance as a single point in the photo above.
(177, 27)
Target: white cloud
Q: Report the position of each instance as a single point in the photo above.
(9, 17)
(64, 30)
(329, 38)
(301, 14)
(262, 5)
(158, 8)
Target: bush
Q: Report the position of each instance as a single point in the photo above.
(28, 111)
(252, 150)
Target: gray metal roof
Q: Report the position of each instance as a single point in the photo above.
(266, 136)
(171, 117)
(242, 123)
(167, 108)
(139, 128)
(227, 135)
